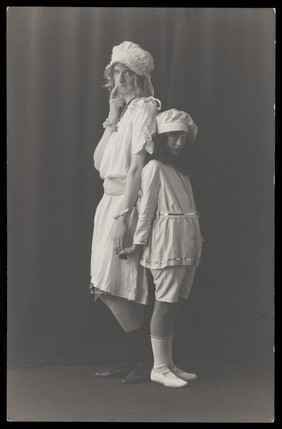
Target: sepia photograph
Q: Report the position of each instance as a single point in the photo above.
(140, 214)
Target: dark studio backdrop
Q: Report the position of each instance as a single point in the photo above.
(215, 63)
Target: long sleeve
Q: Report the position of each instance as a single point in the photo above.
(149, 201)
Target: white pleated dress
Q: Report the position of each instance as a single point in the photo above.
(124, 278)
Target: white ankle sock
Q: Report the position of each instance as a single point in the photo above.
(161, 373)
(159, 347)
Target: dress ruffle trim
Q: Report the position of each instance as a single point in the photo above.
(141, 102)
(168, 262)
(96, 292)
(147, 143)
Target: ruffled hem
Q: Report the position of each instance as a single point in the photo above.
(146, 143)
(139, 102)
(99, 292)
(96, 292)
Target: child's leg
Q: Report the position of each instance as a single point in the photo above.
(160, 324)
(162, 318)
(184, 293)
(170, 282)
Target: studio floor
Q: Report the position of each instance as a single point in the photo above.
(222, 393)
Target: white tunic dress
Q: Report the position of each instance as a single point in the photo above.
(168, 224)
(120, 277)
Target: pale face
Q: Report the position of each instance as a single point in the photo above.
(124, 78)
(176, 141)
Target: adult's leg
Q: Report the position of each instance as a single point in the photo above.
(130, 316)
(141, 339)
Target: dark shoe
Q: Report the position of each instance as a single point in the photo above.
(139, 374)
(118, 371)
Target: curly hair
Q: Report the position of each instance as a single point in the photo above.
(140, 84)
(161, 153)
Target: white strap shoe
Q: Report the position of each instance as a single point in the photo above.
(187, 376)
(167, 378)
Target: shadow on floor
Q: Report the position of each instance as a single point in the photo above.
(222, 393)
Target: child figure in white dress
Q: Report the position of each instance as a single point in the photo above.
(168, 230)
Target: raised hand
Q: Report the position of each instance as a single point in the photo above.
(116, 104)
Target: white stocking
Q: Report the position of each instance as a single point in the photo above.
(161, 372)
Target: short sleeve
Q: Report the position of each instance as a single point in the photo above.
(143, 124)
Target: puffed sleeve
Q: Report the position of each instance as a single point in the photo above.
(143, 120)
(149, 201)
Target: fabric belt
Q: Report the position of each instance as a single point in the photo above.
(114, 187)
(162, 213)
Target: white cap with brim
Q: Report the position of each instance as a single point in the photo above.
(176, 120)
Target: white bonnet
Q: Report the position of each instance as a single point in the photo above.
(176, 120)
(132, 56)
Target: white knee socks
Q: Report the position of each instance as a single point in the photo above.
(161, 372)
(187, 376)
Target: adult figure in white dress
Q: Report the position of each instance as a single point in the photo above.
(120, 157)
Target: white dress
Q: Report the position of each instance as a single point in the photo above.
(120, 277)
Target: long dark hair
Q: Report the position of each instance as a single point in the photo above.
(181, 163)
